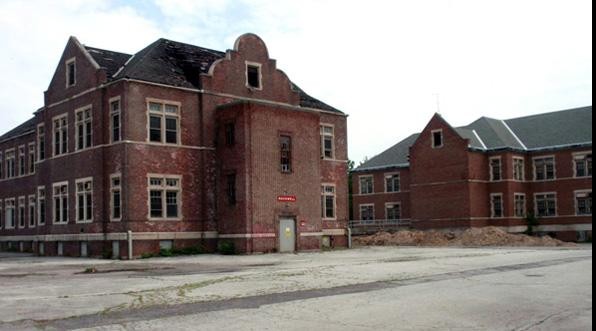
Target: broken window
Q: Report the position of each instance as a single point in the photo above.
(437, 138)
(253, 76)
(546, 205)
(544, 168)
(495, 169)
(286, 153)
(583, 202)
(583, 165)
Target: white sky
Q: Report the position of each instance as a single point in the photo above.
(383, 62)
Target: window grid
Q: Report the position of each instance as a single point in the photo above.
(164, 197)
(328, 207)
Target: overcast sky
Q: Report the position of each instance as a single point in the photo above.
(383, 62)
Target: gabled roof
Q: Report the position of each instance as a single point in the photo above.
(565, 128)
(20, 130)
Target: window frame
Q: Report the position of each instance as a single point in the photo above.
(13, 206)
(41, 198)
(324, 136)
(524, 208)
(492, 169)
(583, 156)
(324, 195)
(517, 176)
(62, 196)
(164, 116)
(67, 69)
(63, 129)
(372, 186)
(433, 140)
(22, 212)
(366, 205)
(576, 202)
(22, 161)
(493, 210)
(32, 157)
(32, 203)
(546, 194)
(165, 189)
(390, 175)
(114, 113)
(41, 142)
(393, 204)
(290, 168)
(259, 68)
(535, 168)
(87, 137)
(87, 218)
(10, 156)
(113, 189)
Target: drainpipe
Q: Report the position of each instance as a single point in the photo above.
(349, 237)
(129, 238)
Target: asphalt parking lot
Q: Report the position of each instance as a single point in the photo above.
(375, 288)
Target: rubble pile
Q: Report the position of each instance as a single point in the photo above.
(474, 237)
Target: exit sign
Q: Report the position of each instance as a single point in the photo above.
(286, 198)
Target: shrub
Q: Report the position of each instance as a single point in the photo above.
(226, 248)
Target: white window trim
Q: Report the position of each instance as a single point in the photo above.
(31, 162)
(164, 198)
(554, 167)
(38, 148)
(366, 205)
(490, 168)
(525, 209)
(14, 163)
(164, 115)
(324, 194)
(388, 204)
(323, 135)
(388, 175)
(34, 214)
(523, 170)
(84, 122)
(14, 213)
(39, 189)
(112, 189)
(492, 205)
(432, 139)
(556, 204)
(67, 71)
(54, 119)
(575, 193)
(260, 67)
(54, 221)
(2, 216)
(574, 157)
(76, 189)
(112, 113)
(360, 184)
(22, 155)
(22, 202)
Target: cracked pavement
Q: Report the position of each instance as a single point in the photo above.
(378, 288)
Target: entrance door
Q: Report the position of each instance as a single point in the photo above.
(287, 235)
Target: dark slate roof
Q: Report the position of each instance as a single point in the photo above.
(571, 127)
(109, 60)
(568, 127)
(24, 128)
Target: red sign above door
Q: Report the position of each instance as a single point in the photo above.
(286, 198)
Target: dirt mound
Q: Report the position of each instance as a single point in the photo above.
(487, 236)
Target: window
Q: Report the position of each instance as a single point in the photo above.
(32, 211)
(41, 142)
(366, 185)
(22, 167)
(518, 169)
(32, 158)
(285, 143)
(115, 120)
(84, 128)
(583, 203)
(21, 213)
(253, 75)
(546, 204)
(495, 169)
(520, 205)
(437, 136)
(328, 202)
(164, 197)
(41, 205)
(9, 208)
(60, 195)
(583, 165)
(230, 134)
(116, 197)
(393, 211)
(1, 170)
(84, 200)
(164, 119)
(392, 183)
(544, 168)
(327, 137)
(71, 72)
(367, 212)
(61, 135)
(231, 189)
(496, 203)
(10, 163)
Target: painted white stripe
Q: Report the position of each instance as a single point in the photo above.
(479, 139)
(247, 235)
(515, 136)
(114, 236)
(311, 234)
(334, 232)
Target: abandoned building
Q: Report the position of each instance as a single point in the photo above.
(175, 146)
(489, 173)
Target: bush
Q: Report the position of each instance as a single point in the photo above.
(147, 255)
(532, 222)
(226, 248)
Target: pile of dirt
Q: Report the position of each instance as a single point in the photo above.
(476, 237)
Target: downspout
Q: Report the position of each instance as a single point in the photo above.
(124, 171)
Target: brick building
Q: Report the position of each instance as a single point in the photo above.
(489, 173)
(174, 146)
